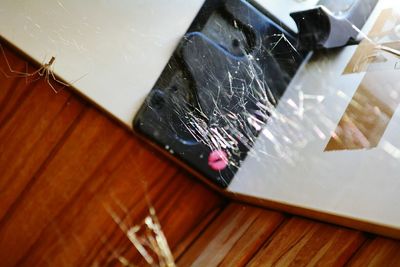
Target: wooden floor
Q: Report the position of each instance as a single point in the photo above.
(64, 166)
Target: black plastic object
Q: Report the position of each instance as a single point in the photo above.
(333, 23)
(219, 88)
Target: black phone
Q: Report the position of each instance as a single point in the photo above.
(219, 88)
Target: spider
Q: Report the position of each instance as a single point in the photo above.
(46, 71)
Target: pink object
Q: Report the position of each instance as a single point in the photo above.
(218, 160)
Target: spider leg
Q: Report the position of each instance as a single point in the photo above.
(26, 69)
(32, 74)
(58, 81)
(5, 74)
(48, 80)
(43, 70)
(68, 83)
(81, 77)
(38, 71)
(51, 71)
(32, 78)
(18, 73)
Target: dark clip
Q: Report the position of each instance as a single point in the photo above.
(332, 23)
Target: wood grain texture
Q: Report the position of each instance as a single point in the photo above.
(233, 237)
(378, 252)
(13, 91)
(302, 242)
(66, 168)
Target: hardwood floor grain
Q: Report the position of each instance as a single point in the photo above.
(64, 167)
(67, 171)
(378, 252)
(302, 242)
(233, 238)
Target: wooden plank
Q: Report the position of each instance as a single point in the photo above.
(87, 147)
(13, 89)
(64, 167)
(233, 237)
(179, 199)
(195, 233)
(378, 252)
(30, 135)
(302, 242)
